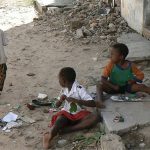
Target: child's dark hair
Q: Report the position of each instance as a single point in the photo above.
(122, 49)
(68, 73)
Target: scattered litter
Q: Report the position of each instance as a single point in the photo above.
(51, 110)
(7, 131)
(104, 11)
(118, 119)
(62, 143)
(42, 96)
(12, 125)
(17, 107)
(135, 128)
(73, 107)
(123, 98)
(27, 119)
(10, 117)
(84, 141)
(41, 103)
(2, 124)
(31, 106)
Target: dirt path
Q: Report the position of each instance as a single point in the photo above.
(35, 49)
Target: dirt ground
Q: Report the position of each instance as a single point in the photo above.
(34, 49)
(38, 50)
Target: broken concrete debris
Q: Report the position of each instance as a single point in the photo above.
(85, 19)
(62, 143)
(79, 33)
(76, 24)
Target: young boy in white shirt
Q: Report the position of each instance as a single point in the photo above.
(73, 116)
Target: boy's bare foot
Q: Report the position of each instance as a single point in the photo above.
(46, 140)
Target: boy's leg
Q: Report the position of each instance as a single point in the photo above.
(3, 69)
(107, 87)
(140, 88)
(48, 136)
(87, 122)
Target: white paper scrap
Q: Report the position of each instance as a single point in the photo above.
(10, 117)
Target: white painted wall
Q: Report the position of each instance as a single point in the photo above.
(147, 12)
(133, 13)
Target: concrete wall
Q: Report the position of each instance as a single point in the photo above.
(133, 12)
(147, 12)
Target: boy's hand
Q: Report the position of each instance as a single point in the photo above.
(58, 104)
(63, 98)
(70, 100)
(131, 82)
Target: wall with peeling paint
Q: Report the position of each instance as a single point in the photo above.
(133, 13)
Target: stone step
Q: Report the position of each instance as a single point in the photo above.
(42, 5)
(146, 32)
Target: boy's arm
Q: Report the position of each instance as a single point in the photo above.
(106, 74)
(84, 98)
(88, 103)
(62, 99)
(138, 74)
(106, 82)
(107, 70)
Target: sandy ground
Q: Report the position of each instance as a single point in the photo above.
(34, 49)
(38, 50)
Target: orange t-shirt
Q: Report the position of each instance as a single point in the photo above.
(139, 75)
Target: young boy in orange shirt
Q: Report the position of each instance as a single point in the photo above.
(120, 75)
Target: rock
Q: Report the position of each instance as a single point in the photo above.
(86, 42)
(45, 110)
(111, 26)
(86, 49)
(10, 84)
(142, 145)
(122, 22)
(79, 33)
(76, 24)
(62, 143)
(64, 31)
(109, 37)
(30, 74)
(128, 146)
(91, 6)
(95, 58)
(86, 32)
(103, 37)
(93, 25)
(112, 142)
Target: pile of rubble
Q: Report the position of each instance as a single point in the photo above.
(89, 19)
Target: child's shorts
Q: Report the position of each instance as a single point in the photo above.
(63, 121)
(126, 88)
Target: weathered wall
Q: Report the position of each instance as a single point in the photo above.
(147, 12)
(133, 12)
